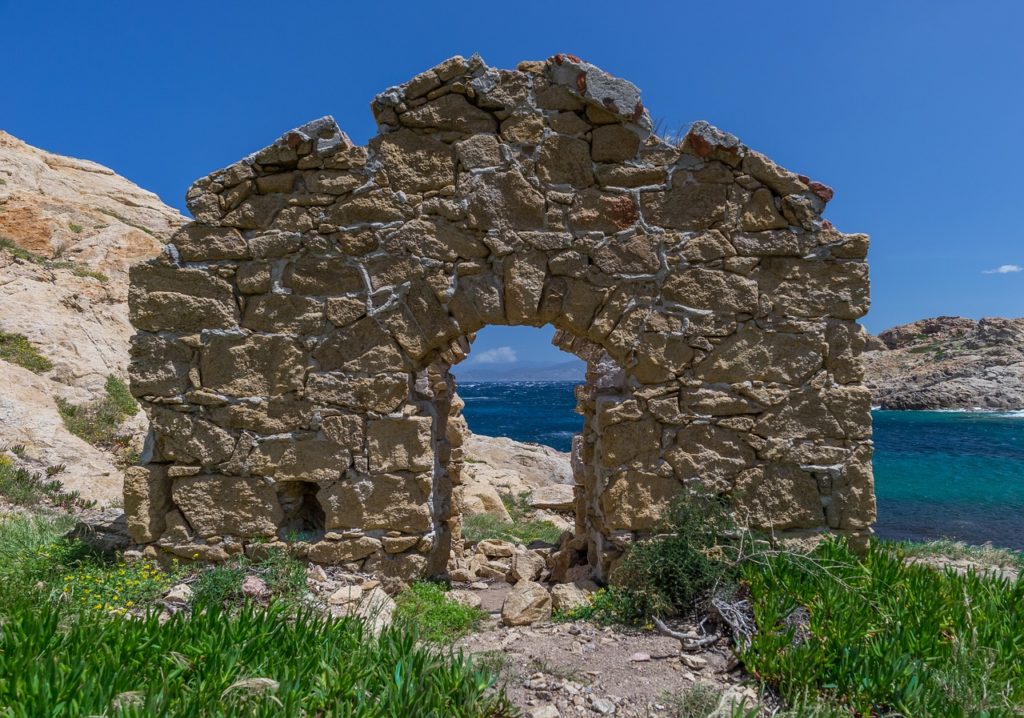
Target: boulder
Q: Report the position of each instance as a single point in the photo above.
(526, 603)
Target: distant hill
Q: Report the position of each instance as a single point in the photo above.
(948, 363)
(572, 370)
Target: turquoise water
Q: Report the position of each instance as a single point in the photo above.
(937, 474)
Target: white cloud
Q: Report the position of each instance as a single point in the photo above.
(498, 355)
(1004, 269)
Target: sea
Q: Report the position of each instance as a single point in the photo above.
(938, 474)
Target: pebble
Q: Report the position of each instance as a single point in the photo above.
(640, 657)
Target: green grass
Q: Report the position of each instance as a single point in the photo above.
(60, 657)
(425, 608)
(98, 422)
(696, 700)
(985, 555)
(883, 637)
(22, 487)
(523, 528)
(17, 349)
(76, 228)
(76, 268)
(478, 527)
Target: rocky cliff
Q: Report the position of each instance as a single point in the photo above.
(948, 363)
(69, 230)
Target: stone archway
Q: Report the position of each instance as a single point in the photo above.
(294, 340)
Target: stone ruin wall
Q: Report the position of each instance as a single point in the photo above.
(294, 341)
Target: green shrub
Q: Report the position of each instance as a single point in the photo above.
(98, 422)
(22, 487)
(426, 609)
(614, 605)
(697, 700)
(881, 636)
(684, 560)
(18, 350)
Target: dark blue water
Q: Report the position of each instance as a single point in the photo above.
(937, 474)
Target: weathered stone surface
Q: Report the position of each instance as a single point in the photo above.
(310, 339)
(400, 444)
(253, 365)
(526, 603)
(566, 597)
(385, 501)
(228, 505)
(147, 499)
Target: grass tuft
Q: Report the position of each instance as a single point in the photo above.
(76, 268)
(478, 527)
(425, 609)
(99, 422)
(17, 349)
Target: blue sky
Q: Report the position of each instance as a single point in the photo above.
(911, 110)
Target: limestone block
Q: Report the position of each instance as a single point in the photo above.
(751, 354)
(702, 288)
(159, 365)
(173, 312)
(147, 499)
(315, 274)
(760, 213)
(525, 129)
(479, 151)
(277, 415)
(188, 439)
(376, 392)
(347, 430)
(362, 347)
(343, 311)
(685, 206)
(779, 497)
(415, 162)
(284, 314)
(630, 440)
(565, 161)
(809, 288)
(614, 143)
(437, 239)
(778, 243)
(343, 551)
(308, 459)
(637, 500)
(709, 456)
(256, 365)
(594, 211)
(385, 501)
(253, 277)
(504, 200)
(637, 254)
(400, 444)
(450, 112)
(706, 246)
(566, 597)
(526, 603)
(526, 566)
(228, 505)
(196, 243)
(524, 284)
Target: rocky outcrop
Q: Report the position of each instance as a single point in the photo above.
(70, 229)
(295, 341)
(948, 363)
(496, 465)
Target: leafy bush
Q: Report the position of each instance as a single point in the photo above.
(425, 608)
(683, 561)
(98, 422)
(881, 636)
(18, 350)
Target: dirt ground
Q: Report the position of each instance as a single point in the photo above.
(580, 669)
